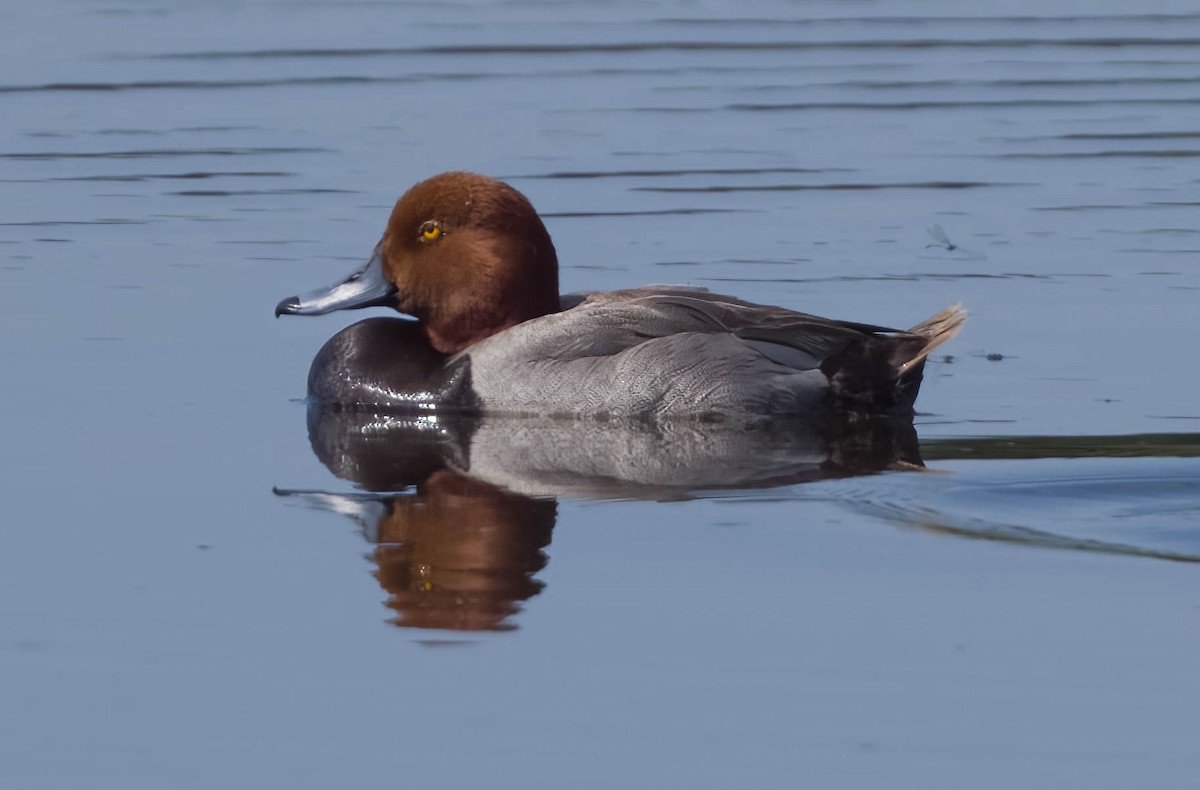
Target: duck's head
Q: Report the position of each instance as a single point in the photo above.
(464, 254)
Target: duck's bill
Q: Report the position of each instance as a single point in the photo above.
(367, 287)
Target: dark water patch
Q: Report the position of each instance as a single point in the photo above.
(721, 188)
(161, 153)
(271, 242)
(1188, 153)
(844, 278)
(672, 173)
(914, 277)
(1152, 231)
(715, 151)
(667, 212)
(946, 104)
(194, 176)
(1011, 82)
(339, 80)
(625, 47)
(981, 421)
(588, 73)
(141, 85)
(1174, 203)
(1102, 136)
(1088, 207)
(658, 110)
(440, 643)
(124, 132)
(1173, 416)
(676, 263)
(106, 132)
(771, 261)
(56, 241)
(1122, 62)
(1140, 445)
(55, 223)
(922, 21)
(216, 128)
(197, 218)
(239, 192)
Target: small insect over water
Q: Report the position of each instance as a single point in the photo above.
(940, 239)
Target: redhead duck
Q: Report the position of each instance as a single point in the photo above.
(468, 257)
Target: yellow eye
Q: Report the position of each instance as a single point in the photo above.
(431, 231)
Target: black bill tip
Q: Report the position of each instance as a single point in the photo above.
(289, 306)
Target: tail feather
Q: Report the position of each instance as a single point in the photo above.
(936, 330)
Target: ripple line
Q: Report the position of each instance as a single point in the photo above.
(683, 46)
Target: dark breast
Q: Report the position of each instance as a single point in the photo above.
(386, 363)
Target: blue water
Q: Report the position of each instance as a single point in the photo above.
(190, 598)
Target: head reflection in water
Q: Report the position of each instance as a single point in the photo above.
(451, 552)
(460, 554)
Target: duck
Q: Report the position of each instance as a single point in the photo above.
(469, 260)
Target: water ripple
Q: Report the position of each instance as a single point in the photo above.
(709, 171)
(935, 104)
(1115, 154)
(160, 153)
(621, 47)
(830, 187)
(647, 213)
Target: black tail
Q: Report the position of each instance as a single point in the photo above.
(884, 372)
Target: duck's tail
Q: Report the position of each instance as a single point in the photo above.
(908, 356)
(935, 330)
(882, 372)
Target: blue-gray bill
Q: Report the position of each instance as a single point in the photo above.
(367, 287)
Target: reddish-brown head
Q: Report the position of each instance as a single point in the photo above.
(465, 254)
(469, 257)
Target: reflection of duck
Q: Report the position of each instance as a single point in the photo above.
(460, 553)
(455, 553)
(470, 502)
(610, 459)
(470, 259)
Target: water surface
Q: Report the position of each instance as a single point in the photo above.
(192, 598)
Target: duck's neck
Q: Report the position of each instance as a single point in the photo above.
(470, 320)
